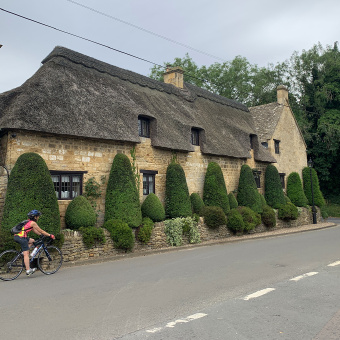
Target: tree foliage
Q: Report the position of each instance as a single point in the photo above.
(295, 190)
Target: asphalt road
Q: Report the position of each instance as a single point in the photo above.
(240, 290)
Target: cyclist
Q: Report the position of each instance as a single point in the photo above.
(25, 241)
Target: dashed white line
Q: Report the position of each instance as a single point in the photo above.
(334, 264)
(300, 277)
(258, 293)
(174, 323)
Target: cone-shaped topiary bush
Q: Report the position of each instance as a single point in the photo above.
(30, 187)
(307, 187)
(196, 203)
(177, 199)
(214, 190)
(232, 201)
(247, 194)
(295, 190)
(273, 188)
(122, 200)
(153, 208)
(80, 213)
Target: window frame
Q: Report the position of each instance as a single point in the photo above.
(195, 136)
(71, 174)
(143, 127)
(149, 173)
(277, 146)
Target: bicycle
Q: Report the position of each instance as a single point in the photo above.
(48, 258)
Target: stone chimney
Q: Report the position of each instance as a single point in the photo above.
(174, 76)
(282, 95)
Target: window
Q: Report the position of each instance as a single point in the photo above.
(277, 146)
(282, 179)
(67, 185)
(265, 145)
(195, 134)
(251, 137)
(257, 177)
(144, 127)
(148, 181)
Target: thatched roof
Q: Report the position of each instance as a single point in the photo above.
(266, 118)
(73, 94)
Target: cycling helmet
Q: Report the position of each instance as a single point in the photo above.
(33, 213)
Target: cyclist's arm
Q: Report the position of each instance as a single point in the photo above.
(37, 230)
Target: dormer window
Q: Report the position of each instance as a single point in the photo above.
(195, 136)
(277, 146)
(144, 127)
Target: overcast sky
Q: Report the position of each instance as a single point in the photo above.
(263, 31)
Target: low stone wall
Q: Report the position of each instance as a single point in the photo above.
(74, 250)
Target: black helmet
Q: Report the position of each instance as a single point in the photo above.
(33, 213)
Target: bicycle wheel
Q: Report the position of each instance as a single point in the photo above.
(11, 265)
(49, 262)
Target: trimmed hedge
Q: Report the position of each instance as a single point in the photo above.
(153, 208)
(247, 193)
(144, 232)
(214, 216)
(92, 236)
(295, 190)
(121, 234)
(273, 188)
(250, 218)
(232, 201)
(307, 187)
(122, 199)
(177, 199)
(288, 212)
(268, 216)
(80, 213)
(196, 203)
(29, 187)
(214, 190)
(235, 221)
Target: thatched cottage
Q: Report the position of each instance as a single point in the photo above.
(78, 113)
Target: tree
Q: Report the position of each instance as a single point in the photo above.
(122, 201)
(295, 190)
(177, 199)
(247, 194)
(307, 186)
(30, 187)
(215, 191)
(273, 189)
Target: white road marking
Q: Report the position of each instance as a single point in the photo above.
(259, 293)
(174, 323)
(300, 277)
(334, 264)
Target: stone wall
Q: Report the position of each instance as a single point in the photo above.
(74, 250)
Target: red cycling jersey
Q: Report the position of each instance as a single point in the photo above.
(25, 229)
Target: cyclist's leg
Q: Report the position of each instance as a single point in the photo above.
(24, 243)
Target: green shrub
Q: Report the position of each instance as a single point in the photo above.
(189, 227)
(318, 197)
(153, 208)
(273, 188)
(177, 199)
(112, 225)
(121, 234)
(196, 217)
(232, 201)
(247, 193)
(174, 231)
(235, 221)
(122, 200)
(295, 190)
(144, 232)
(214, 216)
(92, 236)
(268, 216)
(263, 201)
(214, 190)
(250, 218)
(196, 203)
(324, 212)
(288, 212)
(332, 209)
(80, 213)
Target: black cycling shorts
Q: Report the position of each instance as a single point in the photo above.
(23, 241)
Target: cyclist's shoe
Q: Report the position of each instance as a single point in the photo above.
(30, 271)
